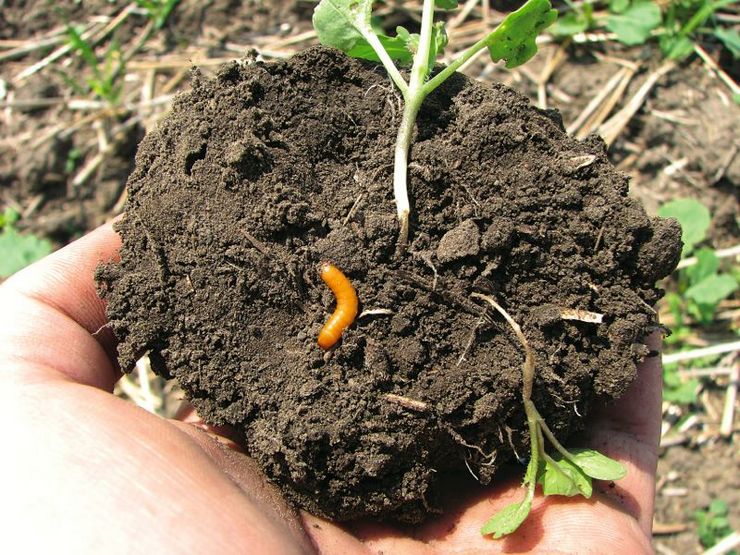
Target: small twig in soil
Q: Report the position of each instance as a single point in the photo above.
(406, 402)
(720, 253)
(426, 257)
(725, 545)
(581, 315)
(471, 339)
(256, 243)
(375, 312)
(728, 413)
(668, 529)
(718, 71)
(699, 353)
(612, 128)
(353, 210)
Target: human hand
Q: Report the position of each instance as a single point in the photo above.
(87, 472)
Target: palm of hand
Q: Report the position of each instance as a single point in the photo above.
(96, 473)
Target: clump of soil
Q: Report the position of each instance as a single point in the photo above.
(265, 171)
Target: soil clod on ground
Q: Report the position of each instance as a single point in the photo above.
(265, 171)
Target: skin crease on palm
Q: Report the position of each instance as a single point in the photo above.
(86, 472)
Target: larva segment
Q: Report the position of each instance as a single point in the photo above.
(347, 304)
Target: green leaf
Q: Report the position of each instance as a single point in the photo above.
(342, 23)
(438, 44)
(507, 520)
(676, 47)
(346, 24)
(712, 289)
(396, 47)
(730, 38)
(618, 6)
(18, 251)
(514, 39)
(563, 478)
(596, 465)
(436, 47)
(8, 217)
(446, 4)
(707, 264)
(633, 25)
(677, 391)
(718, 507)
(82, 46)
(693, 217)
(569, 25)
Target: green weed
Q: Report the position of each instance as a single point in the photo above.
(698, 290)
(105, 81)
(713, 524)
(634, 22)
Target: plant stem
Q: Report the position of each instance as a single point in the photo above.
(443, 75)
(551, 437)
(400, 168)
(413, 98)
(388, 64)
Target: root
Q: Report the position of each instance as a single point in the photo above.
(528, 367)
(256, 243)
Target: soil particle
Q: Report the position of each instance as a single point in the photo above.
(265, 171)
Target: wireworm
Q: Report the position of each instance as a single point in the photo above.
(347, 303)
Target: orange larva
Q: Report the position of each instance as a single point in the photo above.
(346, 310)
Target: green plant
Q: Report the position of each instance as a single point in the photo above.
(702, 285)
(713, 524)
(683, 20)
(699, 288)
(568, 472)
(17, 250)
(636, 21)
(579, 19)
(157, 10)
(633, 21)
(347, 25)
(105, 82)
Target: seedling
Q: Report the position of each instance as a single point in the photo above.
(568, 473)
(699, 288)
(713, 524)
(345, 24)
(105, 81)
(637, 21)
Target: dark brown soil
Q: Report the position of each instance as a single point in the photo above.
(262, 173)
(692, 478)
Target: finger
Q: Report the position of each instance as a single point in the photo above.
(97, 473)
(629, 430)
(51, 311)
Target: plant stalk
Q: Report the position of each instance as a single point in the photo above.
(413, 98)
(388, 64)
(443, 75)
